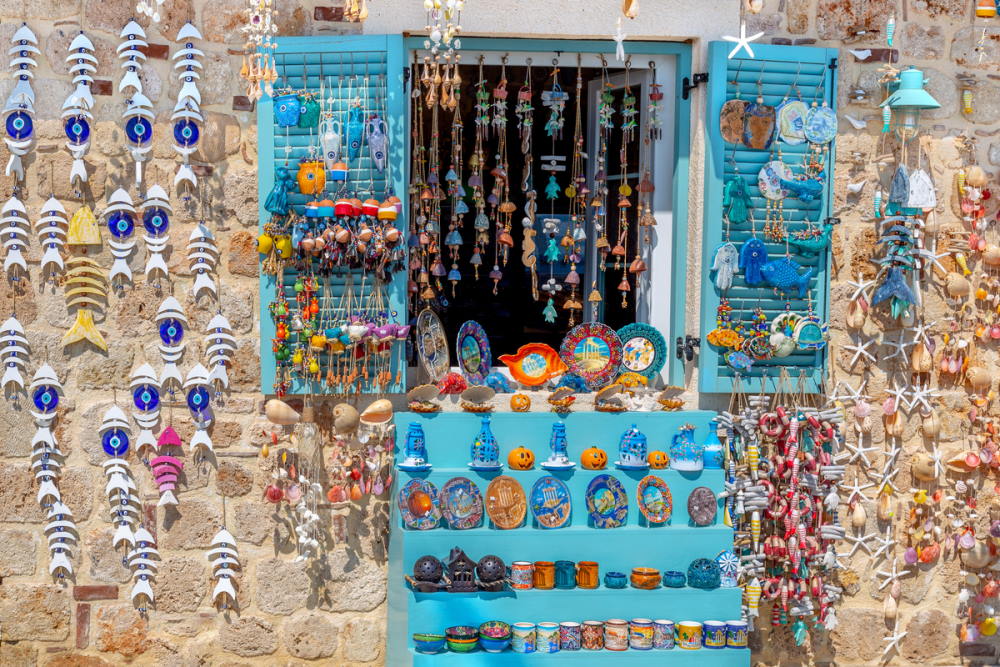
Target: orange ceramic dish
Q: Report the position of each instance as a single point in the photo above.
(645, 577)
(534, 364)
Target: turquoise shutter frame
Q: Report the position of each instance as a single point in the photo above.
(777, 67)
(302, 62)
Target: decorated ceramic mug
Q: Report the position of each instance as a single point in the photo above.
(522, 637)
(565, 574)
(714, 634)
(547, 638)
(689, 635)
(640, 634)
(736, 634)
(593, 635)
(587, 575)
(663, 634)
(616, 634)
(570, 636)
(521, 575)
(545, 574)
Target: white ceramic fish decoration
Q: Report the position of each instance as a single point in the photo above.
(146, 408)
(156, 211)
(13, 355)
(202, 256)
(225, 560)
(14, 232)
(138, 115)
(76, 113)
(144, 561)
(221, 348)
(187, 117)
(171, 321)
(120, 218)
(19, 109)
(51, 230)
(62, 536)
(196, 385)
(120, 489)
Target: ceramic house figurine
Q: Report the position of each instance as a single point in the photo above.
(713, 454)
(415, 450)
(559, 458)
(632, 450)
(461, 572)
(685, 453)
(485, 450)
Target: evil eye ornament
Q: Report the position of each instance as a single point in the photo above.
(171, 331)
(19, 125)
(155, 220)
(46, 398)
(115, 442)
(146, 397)
(77, 129)
(198, 399)
(186, 132)
(121, 225)
(138, 130)
(286, 110)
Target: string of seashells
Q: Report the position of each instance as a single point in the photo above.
(443, 26)
(259, 70)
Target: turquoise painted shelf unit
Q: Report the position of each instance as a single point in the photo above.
(666, 547)
(775, 69)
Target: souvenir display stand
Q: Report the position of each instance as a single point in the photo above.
(672, 545)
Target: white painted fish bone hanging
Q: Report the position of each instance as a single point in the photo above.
(199, 402)
(146, 413)
(19, 110)
(202, 256)
(187, 116)
(171, 321)
(76, 109)
(120, 489)
(14, 230)
(144, 562)
(156, 212)
(166, 466)
(225, 561)
(51, 230)
(222, 347)
(138, 114)
(120, 218)
(13, 355)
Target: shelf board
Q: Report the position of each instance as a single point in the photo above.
(674, 657)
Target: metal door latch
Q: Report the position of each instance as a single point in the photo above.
(686, 347)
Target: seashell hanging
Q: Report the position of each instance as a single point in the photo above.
(225, 561)
(187, 117)
(146, 401)
(14, 234)
(120, 488)
(170, 321)
(13, 356)
(138, 114)
(202, 255)
(143, 560)
(199, 403)
(86, 286)
(156, 212)
(120, 218)
(51, 229)
(76, 109)
(150, 8)
(167, 467)
(19, 109)
(222, 347)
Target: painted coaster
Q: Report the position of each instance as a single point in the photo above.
(418, 503)
(594, 352)
(702, 506)
(821, 125)
(644, 350)
(758, 126)
(655, 500)
(461, 503)
(769, 179)
(550, 502)
(792, 122)
(506, 503)
(472, 348)
(607, 502)
(432, 346)
(731, 120)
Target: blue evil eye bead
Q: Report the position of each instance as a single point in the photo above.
(138, 130)
(155, 220)
(146, 397)
(120, 224)
(171, 331)
(186, 132)
(115, 442)
(77, 129)
(46, 398)
(19, 125)
(197, 400)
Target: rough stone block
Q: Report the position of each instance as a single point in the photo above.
(282, 586)
(248, 637)
(120, 629)
(105, 561)
(310, 636)
(233, 479)
(363, 640)
(18, 552)
(192, 526)
(180, 584)
(18, 491)
(928, 634)
(34, 612)
(253, 522)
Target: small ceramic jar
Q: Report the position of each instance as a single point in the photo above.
(545, 574)
(713, 634)
(565, 574)
(736, 634)
(570, 636)
(674, 579)
(645, 577)
(640, 634)
(593, 635)
(547, 638)
(663, 634)
(616, 634)
(615, 580)
(523, 638)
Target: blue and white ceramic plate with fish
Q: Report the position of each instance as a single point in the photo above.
(655, 500)
(418, 503)
(769, 179)
(607, 502)
(550, 502)
(461, 503)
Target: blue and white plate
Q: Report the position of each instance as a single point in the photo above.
(550, 502)
(821, 125)
(607, 502)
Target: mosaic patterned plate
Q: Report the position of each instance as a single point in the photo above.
(461, 503)
(506, 503)
(550, 502)
(607, 502)
(792, 121)
(472, 348)
(769, 179)
(821, 125)
(418, 504)
(655, 501)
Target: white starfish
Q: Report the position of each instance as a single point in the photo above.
(859, 542)
(858, 451)
(860, 287)
(861, 349)
(742, 42)
(893, 640)
(855, 488)
(899, 396)
(853, 395)
(899, 347)
(920, 332)
(889, 471)
(938, 463)
(886, 544)
(920, 395)
(619, 38)
(933, 258)
(892, 575)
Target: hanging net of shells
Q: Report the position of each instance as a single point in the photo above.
(258, 68)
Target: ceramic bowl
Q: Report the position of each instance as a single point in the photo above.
(494, 630)
(491, 645)
(615, 580)
(462, 632)
(674, 579)
(462, 645)
(426, 643)
(645, 577)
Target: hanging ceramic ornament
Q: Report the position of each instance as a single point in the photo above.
(62, 535)
(170, 320)
(14, 228)
(146, 400)
(377, 138)
(202, 256)
(187, 117)
(120, 218)
(86, 285)
(19, 110)
(51, 230)
(156, 212)
(222, 347)
(143, 560)
(199, 403)
(725, 265)
(138, 114)
(76, 109)
(13, 356)
(225, 561)
(167, 466)
(46, 462)
(115, 435)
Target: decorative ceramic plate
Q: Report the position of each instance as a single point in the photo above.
(769, 179)
(432, 346)
(702, 506)
(461, 504)
(729, 567)
(506, 503)
(418, 503)
(655, 501)
(550, 502)
(594, 352)
(731, 120)
(534, 364)
(792, 121)
(821, 124)
(644, 350)
(473, 351)
(758, 126)
(607, 502)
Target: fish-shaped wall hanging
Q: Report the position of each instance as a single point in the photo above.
(13, 355)
(225, 560)
(19, 109)
(144, 561)
(202, 256)
(145, 389)
(86, 286)
(156, 212)
(378, 141)
(221, 348)
(138, 114)
(187, 117)
(120, 218)
(171, 321)
(199, 404)
(120, 490)
(812, 242)
(14, 232)
(51, 230)
(76, 113)
(167, 465)
(783, 275)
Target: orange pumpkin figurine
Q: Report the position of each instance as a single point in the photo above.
(521, 458)
(520, 403)
(594, 458)
(657, 459)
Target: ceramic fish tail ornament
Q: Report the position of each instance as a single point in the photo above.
(51, 230)
(13, 355)
(167, 465)
(199, 403)
(86, 286)
(783, 274)
(221, 348)
(120, 488)
(19, 109)
(202, 256)
(144, 561)
(138, 114)
(225, 561)
(187, 116)
(145, 389)
(14, 230)
(76, 113)
(156, 211)
(171, 322)
(120, 218)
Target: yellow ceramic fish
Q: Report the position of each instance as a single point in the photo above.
(86, 284)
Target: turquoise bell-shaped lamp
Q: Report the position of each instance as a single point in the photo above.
(908, 100)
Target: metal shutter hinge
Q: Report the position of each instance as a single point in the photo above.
(687, 86)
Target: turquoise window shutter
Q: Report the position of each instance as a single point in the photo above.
(776, 69)
(344, 62)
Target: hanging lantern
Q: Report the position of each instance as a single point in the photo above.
(907, 101)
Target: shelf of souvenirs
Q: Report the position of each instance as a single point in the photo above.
(683, 595)
(727, 657)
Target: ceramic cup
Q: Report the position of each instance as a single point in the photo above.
(565, 574)
(545, 573)
(615, 579)
(547, 638)
(674, 579)
(522, 638)
(714, 634)
(593, 635)
(521, 574)
(570, 636)
(587, 575)
(689, 635)
(616, 634)
(640, 634)
(736, 634)
(663, 634)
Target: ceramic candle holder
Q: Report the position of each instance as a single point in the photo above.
(674, 579)
(645, 577)
(615, 580)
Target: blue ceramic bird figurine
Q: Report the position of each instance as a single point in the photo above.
(805, 190)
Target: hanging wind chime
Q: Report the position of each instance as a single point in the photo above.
(51, 229)
(187, 117)
(120, 218)
(120, 490)
(225, 560)
(202, 257)
(258, 68)
(76, 113)
(19, 109)
(138, 114)
(221, 348)
(171, 321)
(13, 356)
(14, 231)
(146, 401)
(199, 404)
(156, 212)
